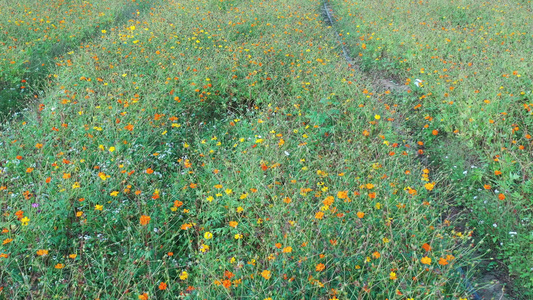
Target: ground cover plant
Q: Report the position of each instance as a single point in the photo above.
(472, 61)
(223, 149)
(34, 32)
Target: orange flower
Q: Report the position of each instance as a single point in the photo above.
(287, 200)
(233, 224)
(162, 286)
(435, 132)
(287, 250)
(342, 194)
(425, 260)
(42, 252)
(149, 171)
(145, 220)
(501, 196)
(376, 255)
(426, 247)
(443, 261)
(487, 187)
(59, 266)
(278, 245)
(228, 274)
(360, 214)
(143, 296)
(329, 200)
(497, 172)
(319, 215)
(266, 274)
(226, 283)
(320, 267)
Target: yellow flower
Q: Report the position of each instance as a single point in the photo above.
(76, 185)
(392, 276)
(238, 236)
(111, 149)
(98, 207)
(25, 221)
(114, 193)
(429, 186)
(184, 275)
(377, 117)
(208, 235)
(204, 248)
(426, 260)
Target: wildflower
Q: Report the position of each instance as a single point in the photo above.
(377, 117)
(360, 214)
(233, 224)
(426, 247)
(114, 193)
(429, 186)
(72, 256)
(59, 266)
(443, 261)
(184, 275)
(501, 197)
(162, 286)
(287, 250)
(208, 235)
(204, 248)
(143, 296)
(98, 207)
(7, 241)
(238, 236)
(342, 194)
(144, 220)
(425, 260)
(266, 274)
(392, 276)
(320, 267)
(25, 221)
(42, 252)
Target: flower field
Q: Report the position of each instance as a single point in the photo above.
(225, 149)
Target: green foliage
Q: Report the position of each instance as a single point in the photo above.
(218, 149)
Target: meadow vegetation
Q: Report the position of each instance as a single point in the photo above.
(218, 149)
(473, 108)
